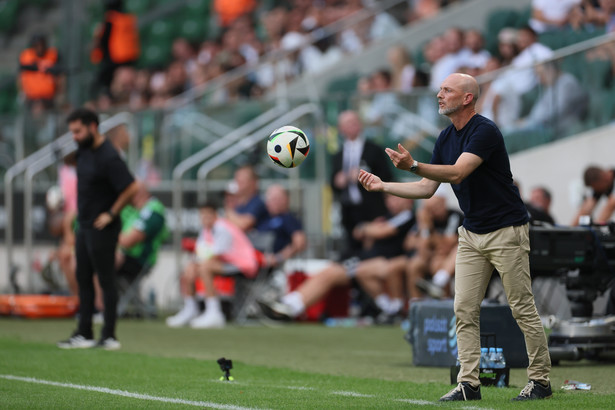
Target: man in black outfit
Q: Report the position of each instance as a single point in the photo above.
(358, 205)
(104, 186)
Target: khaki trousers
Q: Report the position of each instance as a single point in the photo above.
(506, 250)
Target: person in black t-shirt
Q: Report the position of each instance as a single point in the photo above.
(104, 186)
(470, 154)
(539, 205)
(601, 182)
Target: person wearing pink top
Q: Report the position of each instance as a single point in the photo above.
(67, 180)
(221, 249)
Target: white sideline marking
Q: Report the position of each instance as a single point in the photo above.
(124, 393)
(417, 402)
(351, 394)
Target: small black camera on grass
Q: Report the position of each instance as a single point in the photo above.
(226, 365)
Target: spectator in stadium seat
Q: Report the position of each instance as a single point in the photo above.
(288, 236)
(184, 52)
(548, 15)
(521, 78)
(383, 239)
(229, 11)
(539, 205)
(562, 102)
(473, 54)
(383, 107)
(39, 74)
(470, 154)
(357, 205)
(422, 9)
(403, 72)
(143, 232)
(221, 249)
(601, 16)
(451, 60)
(601, 182)
(436, 248)
(245, 208)
(507, 45)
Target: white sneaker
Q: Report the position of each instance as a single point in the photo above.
(110, 343)
(183, 317)
(77, 341)
(209, 320)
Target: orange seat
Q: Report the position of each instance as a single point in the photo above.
(39, 306)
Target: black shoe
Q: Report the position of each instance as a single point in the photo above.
(109, 343)
(276, 310)
(463, 392)
(534, 390)
(77, 341)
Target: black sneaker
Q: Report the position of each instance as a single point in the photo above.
(534, 390)
(463, 392)
(77, 341)
(276, 310)
(110, 343)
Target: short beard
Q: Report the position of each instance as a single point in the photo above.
(87, 142)
(449, 110)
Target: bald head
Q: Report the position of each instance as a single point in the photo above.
(457, 97)
(467, 84)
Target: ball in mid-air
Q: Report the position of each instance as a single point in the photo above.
(288, 146)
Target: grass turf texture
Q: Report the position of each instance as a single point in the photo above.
(290, 367)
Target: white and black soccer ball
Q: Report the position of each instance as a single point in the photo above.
(288, 146)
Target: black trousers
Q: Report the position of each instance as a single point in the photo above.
(95, 252)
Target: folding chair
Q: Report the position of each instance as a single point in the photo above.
(247, 290)
(130, 302)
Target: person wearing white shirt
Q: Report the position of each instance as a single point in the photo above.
(551, 14)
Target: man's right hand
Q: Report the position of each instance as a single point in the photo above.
(370, 182)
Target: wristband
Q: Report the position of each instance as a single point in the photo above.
(111, 214)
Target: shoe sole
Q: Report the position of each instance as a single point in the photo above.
(110, 348)
(76, 347)
(273, 314)
(217, 326)
(536, 398)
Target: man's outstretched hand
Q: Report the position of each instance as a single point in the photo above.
(400, 158)
(370, 181)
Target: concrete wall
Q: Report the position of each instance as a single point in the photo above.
(560, 166)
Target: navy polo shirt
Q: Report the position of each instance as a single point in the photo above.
(487, 197)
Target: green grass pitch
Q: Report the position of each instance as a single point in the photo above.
(298, 366)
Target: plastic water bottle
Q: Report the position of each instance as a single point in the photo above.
(501, 360)
(492, 358)
(483, 357)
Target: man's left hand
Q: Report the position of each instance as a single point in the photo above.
(103, 220)
(400, 158)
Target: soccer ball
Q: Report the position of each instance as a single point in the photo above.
(288, 146)
(54, 198)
